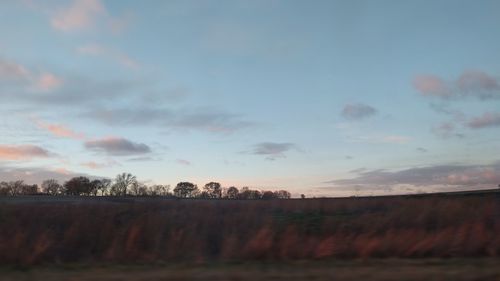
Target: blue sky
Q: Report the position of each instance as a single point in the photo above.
(324, 98)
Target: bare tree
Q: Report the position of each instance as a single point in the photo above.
(18, 187)
(138, 189)
(123, 182)
(51, 187)
(105, 186)
(159, 190)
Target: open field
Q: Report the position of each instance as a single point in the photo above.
(45, 230)
(453, 236)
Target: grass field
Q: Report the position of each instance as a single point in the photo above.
(434, 237)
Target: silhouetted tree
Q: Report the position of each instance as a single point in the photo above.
(29, 189)
(138, 189)
(159, 190)
(101, 186)
(18, 187)
(78, 186)
(213, 190)
(185, 190)
(302, 196)
(51, 187)
(232, 192)
(268, 195)
(4, 189)
(282, 194)
(123, 182)
(204, 195)
(247, 193)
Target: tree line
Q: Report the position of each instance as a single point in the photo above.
(126, 184)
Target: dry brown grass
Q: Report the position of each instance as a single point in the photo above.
(276, 230)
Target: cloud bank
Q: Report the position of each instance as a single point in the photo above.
(22, 152)
(117, 146)
(456, 176)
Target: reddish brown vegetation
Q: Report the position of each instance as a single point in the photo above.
(201, 230)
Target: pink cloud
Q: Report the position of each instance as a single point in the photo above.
(81, 14)
(22, 152)
(473, 80)
(62, 171)
(471, 83)
(488, 119)
(22, 76)
(59, 130)
(95, 166)
(430, 85)
(11, 70)
(48, 81)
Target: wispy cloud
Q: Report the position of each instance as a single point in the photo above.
(471, 83)
(59, 130)
(202, 119)
(117, 146)
(443, 108)
(48, 81)
(16, 74)
(478, 83)
(358, 111)
(10, 70)
(440, 175)
(208, 120)
(99, 165)
(446, 130)
(23, 152)
(272, 150)
(183, 162)
(388, 139)
(98, 50)
(396, 139)
(487, 120)
(431, 85)
(81, 14)
(129, 116)
(422, 150)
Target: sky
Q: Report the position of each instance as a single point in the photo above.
(323, 98)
